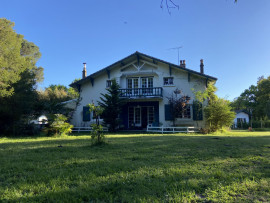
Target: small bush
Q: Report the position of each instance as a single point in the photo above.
(97, 134)
(57, 125)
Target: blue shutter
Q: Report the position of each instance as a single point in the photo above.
(197, 111)
(86, 113)
(168, 112)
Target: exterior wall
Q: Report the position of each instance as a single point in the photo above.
(91, 93)
(241, 115)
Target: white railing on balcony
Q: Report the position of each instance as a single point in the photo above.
(142, 92)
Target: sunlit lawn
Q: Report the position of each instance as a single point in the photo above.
(137, 168)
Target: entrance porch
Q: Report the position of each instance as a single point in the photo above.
(137, 115)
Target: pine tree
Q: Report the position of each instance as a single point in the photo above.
(111, 104)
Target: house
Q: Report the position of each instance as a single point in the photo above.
(146, 83)
(241, 117)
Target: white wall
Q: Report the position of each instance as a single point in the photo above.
(91, 93)
(241, 115)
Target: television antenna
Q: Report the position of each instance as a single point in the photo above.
(180, 47)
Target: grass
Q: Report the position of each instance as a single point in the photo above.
(232, 167)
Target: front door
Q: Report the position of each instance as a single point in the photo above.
(134, 117)
(144, 117)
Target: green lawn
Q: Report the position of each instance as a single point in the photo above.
(137, 168)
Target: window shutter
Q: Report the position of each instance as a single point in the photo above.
(197, 111)
(168, 112)
(86, 113)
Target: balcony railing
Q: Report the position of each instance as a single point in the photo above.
(141, 92)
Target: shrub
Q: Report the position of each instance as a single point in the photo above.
(57, 125)
(97, 134)
(218, 115)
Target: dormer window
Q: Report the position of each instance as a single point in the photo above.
(168, 81)
(108, 83)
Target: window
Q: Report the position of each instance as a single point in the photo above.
(241, 120)
(133, 85)
(147, 85)
(168, 81)
(185, 112)
(108, 83)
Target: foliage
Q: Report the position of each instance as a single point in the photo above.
(255, 99)
(19, 76)
(177, 103)
(11, 62)
(111, 104)
(51, 99)
(218, 114)
(263, 97)
(57, 125)
(97, 134)
(97, 129)
(156, 168)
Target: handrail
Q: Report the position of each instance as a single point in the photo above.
(141, 92)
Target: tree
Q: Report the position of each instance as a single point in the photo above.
(111, 104)
(12, 63)
(97, 129)
(218, 111)
(263, 97)
(218, 115)
(177, 104)
(50, 100)
(170, 4)
(19, 76)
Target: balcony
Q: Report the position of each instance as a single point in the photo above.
(152, 92)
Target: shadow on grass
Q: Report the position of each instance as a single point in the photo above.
(154, 168)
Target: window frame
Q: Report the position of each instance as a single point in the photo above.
(108, 83)
(169, 79)
(188, 116)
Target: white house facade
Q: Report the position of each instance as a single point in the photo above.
(146, 83)
(241, 117)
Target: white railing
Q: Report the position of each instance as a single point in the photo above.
(172, 129)
(85, 129)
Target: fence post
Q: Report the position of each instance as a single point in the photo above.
(162, 130)
(187, 129)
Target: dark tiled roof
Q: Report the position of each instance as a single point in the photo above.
(144, 55)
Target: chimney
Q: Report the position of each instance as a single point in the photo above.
(202, 67)
(183, 63)
(84, 71)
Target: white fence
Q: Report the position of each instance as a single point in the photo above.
(172, 129)
(85, 129)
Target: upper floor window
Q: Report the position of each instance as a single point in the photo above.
(168, 81)
(108, 83)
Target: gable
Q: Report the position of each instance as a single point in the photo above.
(138, 62)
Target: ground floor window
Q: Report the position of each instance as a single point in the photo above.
(185, 112)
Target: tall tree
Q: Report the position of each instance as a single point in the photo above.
(111, 104)
(263, 97)
(19, 76)
(218, 112)
(12, 63)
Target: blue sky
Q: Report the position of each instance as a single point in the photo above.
(233, 39)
